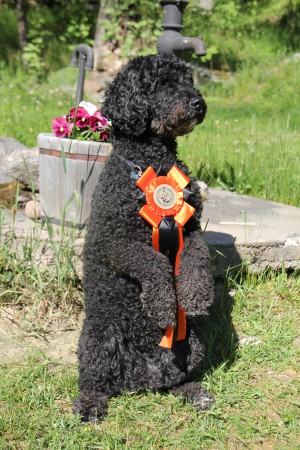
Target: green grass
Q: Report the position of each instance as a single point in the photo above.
(246, 156)
(256, 390)
(250, 139)
(29, 107)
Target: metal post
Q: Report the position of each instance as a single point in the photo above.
(83, 58)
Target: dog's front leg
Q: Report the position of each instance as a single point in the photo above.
(154, 273)
(194, 283)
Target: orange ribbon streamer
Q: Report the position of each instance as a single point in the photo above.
(164, 197)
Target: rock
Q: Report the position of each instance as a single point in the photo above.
(207, 5)
(110, 61)
(203, 187)
(8, 193)
(250, 340)
(18, 163)
(9, 144)
(202, 74)
(23, 198)
(293, 239)
(296, 342)
(294, 58)
(23, 166)
(33, 209)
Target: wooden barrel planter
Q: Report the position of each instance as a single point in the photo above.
(69, 170)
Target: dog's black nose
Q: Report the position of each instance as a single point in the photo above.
(196, 103)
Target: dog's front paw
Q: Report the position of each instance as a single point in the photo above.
(195, 293)
(159, 304)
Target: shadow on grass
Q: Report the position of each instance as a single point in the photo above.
(217, 330)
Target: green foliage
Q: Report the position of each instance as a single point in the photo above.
(53, 30)
(9, 43)
(244, 32)
(249, 141)
(236, 32)
(133, 26)
(36, 36)
(35, 106)
(78, 32)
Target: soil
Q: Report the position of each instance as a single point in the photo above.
(56, 338)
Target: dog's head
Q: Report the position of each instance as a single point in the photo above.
(154, 93)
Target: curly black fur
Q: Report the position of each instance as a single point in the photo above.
(130, 290)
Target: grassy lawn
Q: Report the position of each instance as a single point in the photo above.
(250, 139)
(28, 107)
(255, 385)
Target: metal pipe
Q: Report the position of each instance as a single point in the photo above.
(171, 41)
(173, 12)
(83, 58)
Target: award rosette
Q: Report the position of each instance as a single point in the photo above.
(166, 209)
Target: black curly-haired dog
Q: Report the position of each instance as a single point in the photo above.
(131, 293)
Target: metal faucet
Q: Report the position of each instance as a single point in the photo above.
(171, 41)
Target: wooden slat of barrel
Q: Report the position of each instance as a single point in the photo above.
(69, 171)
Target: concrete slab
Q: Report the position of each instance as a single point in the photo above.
(261, 233)
(238, 228)
(248, 219)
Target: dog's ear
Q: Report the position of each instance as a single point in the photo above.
(125, 103)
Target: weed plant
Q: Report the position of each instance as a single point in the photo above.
(246, 157)
(31, 278)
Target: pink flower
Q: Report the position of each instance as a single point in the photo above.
(101, 118)
(60, 126)
(104, 135)
(80, 115)
(95, 124)
(70, 128)
(71, 113)
(82, 122)
(98, 122)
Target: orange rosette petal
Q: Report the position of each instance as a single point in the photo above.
(155, 239)
(150, 216)
(184, 214)
(177, 175)
(145, 179)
